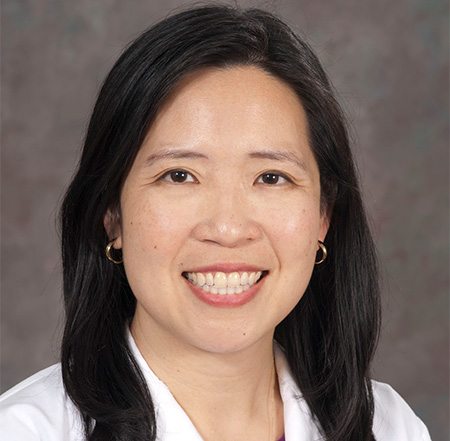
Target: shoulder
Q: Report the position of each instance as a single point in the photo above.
(38, 408)
(394, 419)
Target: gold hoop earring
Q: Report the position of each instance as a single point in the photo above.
(324, 252)
(108, 253)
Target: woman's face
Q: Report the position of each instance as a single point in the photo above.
(220, 213)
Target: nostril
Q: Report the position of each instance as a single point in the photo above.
(227, 230)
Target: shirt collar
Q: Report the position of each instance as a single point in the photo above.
(174, 424)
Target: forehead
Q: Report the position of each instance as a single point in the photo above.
(236, 106)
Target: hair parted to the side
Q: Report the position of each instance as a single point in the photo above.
(330, 336)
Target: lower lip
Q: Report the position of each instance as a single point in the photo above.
(226, 300)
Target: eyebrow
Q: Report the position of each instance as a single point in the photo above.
(279, 155)
(174, 154)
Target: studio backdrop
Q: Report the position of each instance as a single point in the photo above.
(389, 63)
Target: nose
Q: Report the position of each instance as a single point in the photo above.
(228, 220)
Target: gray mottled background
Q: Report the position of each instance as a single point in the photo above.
(388, 60)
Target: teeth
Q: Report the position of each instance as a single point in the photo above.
(224, 284)
(233, 280)
(201, 279)
(220, 280)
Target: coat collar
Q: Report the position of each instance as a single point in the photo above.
(174, 425)
(298, 422)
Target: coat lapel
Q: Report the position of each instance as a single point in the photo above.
(298, 424)
(174, 424)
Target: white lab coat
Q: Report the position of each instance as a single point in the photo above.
(38, 409)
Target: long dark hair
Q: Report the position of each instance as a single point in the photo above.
(330, 336)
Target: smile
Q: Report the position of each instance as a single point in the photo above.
(224, 283)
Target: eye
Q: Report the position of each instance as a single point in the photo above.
(178, 177)
(272, 178)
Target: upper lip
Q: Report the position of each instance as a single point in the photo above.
(226, 268)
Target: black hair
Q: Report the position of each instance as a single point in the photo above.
(329, 337)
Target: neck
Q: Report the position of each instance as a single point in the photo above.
(223, 393)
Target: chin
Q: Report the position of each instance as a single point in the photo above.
(219, 342)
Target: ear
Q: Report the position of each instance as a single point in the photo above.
(325, 221)
(113, 227)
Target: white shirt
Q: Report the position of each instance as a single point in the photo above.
(38, 409)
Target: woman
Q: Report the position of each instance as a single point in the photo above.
(220, 279)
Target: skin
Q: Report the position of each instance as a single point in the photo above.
(227, 210)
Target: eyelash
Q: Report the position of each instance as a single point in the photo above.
(170, 176)
(275, 174)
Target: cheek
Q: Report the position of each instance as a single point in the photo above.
(155, 229)
(296, 252)
(294, 240)
(294, 231)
